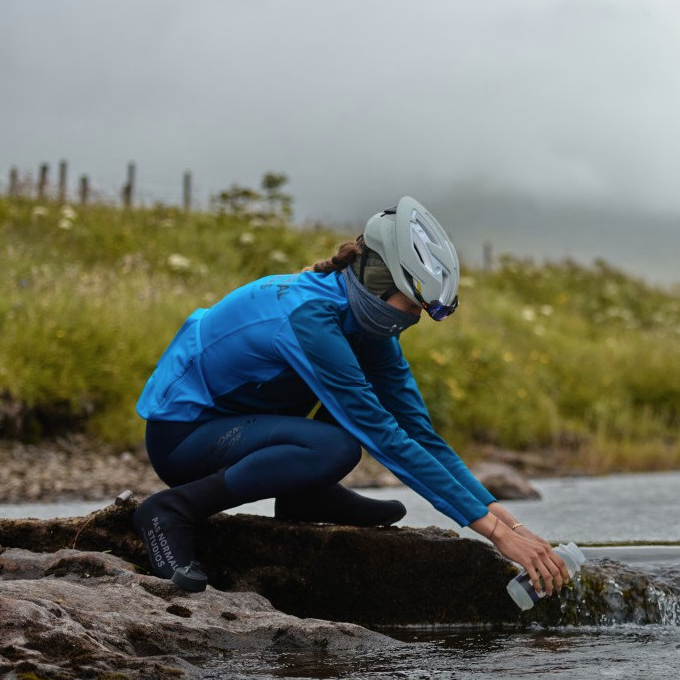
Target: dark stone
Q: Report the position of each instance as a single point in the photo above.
(608, 593)
(504, 482)
(371, 576)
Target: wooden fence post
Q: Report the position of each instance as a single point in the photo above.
(487, 257)
(42, 181)
(186, 191)
(84, 189)
(62, 182)
(129, 188)
(13, 182)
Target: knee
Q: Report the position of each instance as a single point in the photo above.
(346, 451)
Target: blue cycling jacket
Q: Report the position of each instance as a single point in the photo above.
(281, 343)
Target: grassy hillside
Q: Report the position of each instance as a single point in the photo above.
(557, 358)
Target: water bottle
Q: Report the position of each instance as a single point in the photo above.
(522, 591)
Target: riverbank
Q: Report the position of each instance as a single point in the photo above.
(83, 468)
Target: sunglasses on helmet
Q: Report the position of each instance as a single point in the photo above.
(436, 309)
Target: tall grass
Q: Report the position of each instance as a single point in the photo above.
(557, 358)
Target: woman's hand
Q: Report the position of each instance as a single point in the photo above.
(526, 533)
(509, 520)
(528, 550)
(536, 556)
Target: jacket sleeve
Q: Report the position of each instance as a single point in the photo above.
(311, 341)
(396, 388)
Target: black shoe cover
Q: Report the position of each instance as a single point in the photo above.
(166, 520)
(190, 578)
(167, 533)
(336, 504)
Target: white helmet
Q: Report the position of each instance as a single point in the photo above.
(419, 254)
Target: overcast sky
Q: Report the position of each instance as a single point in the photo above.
(545, 102)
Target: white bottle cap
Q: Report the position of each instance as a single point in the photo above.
(520, 596)
(576, 553)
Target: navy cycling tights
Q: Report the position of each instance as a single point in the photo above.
(265, 456)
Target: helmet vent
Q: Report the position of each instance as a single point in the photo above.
(418, 253)
(420, 240)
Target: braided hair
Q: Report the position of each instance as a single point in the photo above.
(346, 254)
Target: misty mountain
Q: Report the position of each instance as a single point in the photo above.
(639, 242)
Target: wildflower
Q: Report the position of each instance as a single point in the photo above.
(467, 282)
(528, 314)
(620, 313)
(278, 256)
(68, 213)
(246, 238)
(39, 211)
(611, 289)
(179, 263)
(547, 310)
(438, 358)
(64, 224)
(455, 390)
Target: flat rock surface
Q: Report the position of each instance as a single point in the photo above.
(73, 614)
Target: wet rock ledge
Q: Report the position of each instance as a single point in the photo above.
(77, 598)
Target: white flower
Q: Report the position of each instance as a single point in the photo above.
(278, 256)
(246, 238)
(68, 213)
(64, 224)
(39, 211)
(179, 263)
(528, 314)
(547, 310)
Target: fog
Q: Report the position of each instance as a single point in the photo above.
(547, 127)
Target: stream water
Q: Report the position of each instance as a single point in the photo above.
(633, 520)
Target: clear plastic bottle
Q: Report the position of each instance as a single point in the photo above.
(521, 589)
